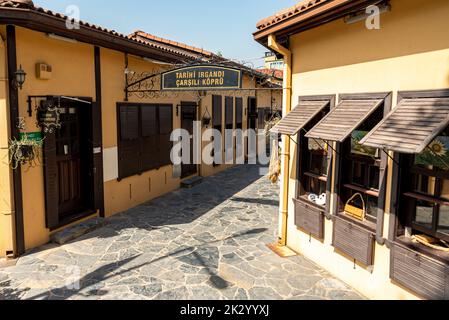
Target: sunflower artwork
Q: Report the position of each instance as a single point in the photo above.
(357, 148)
(436, 154)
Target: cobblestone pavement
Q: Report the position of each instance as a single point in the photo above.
(208, 242)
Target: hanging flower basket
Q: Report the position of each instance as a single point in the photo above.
(24, 152)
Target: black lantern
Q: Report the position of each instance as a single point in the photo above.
(206, 118)
(20, 78)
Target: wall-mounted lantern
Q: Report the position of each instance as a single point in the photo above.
(20, 77)
(206, 120)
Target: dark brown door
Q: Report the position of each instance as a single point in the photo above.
(71, 194)
(69, 164)
(188, 116)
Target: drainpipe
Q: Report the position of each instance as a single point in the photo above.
(287, 105)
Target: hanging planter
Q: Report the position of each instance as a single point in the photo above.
(25, 151)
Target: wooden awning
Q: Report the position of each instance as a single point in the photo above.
(411, 126)
(344, 119)
(299, 117)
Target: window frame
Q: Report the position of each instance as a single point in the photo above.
(141, 167)
(373, 224)
(399, 218)
(303, 176)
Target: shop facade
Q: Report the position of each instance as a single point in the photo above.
(365, 127)
(105, 142)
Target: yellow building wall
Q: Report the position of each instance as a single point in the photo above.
(73, 75)
(409, 52)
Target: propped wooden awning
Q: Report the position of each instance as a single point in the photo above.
(344, 119)
(411, 126)
(297, 119)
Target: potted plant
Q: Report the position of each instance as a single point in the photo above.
(24, 151)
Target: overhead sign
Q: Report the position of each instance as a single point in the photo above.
(48, 116)
(202, 78)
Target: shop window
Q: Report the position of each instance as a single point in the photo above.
(314, 163)
(144, 137)
(361, 171)
(316, 168)
(427, 198)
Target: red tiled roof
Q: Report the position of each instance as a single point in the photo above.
(28, 4)
(175, 49)
(148, 36)
(279, 74)
(282, 15)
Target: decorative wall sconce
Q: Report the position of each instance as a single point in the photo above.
(20, 77)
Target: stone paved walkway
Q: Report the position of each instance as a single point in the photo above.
(208, 242)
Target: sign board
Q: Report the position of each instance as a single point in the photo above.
(31, 136)
(48, 117)
(202, 78)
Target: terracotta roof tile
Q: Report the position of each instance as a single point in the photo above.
(147, 36)
(28, 4)
(279, 74)
(282, 15)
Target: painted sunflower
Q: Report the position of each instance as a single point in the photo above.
(438, 148)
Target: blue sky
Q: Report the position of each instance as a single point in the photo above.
(224, 26)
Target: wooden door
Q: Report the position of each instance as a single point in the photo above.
(69, 165)
(188, 116)
(68, 162)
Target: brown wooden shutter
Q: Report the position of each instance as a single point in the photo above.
(51, 182)
(129, 142)
(165, 130)
(129, 122)
(344, 119)
(217, 110)
(411, 126)
(261, 113)
(239, 112)
(229, 111)
(217, 115)
(97, 149)
(299, 117)
(150, 134)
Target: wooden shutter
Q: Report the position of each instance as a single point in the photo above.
(344, 119)
(217, 110)
(309, 217)
(261, 113)
(229, 111)
(239, 112)
(129, 122)
(217, 115)
(130, 142)
(427, 277)
(411, 126)
(97, 149)
(354, 241)
(165, 130)
(150, 134)
(51, 181)
(299, 117)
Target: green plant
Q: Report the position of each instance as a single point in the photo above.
(24, 152)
